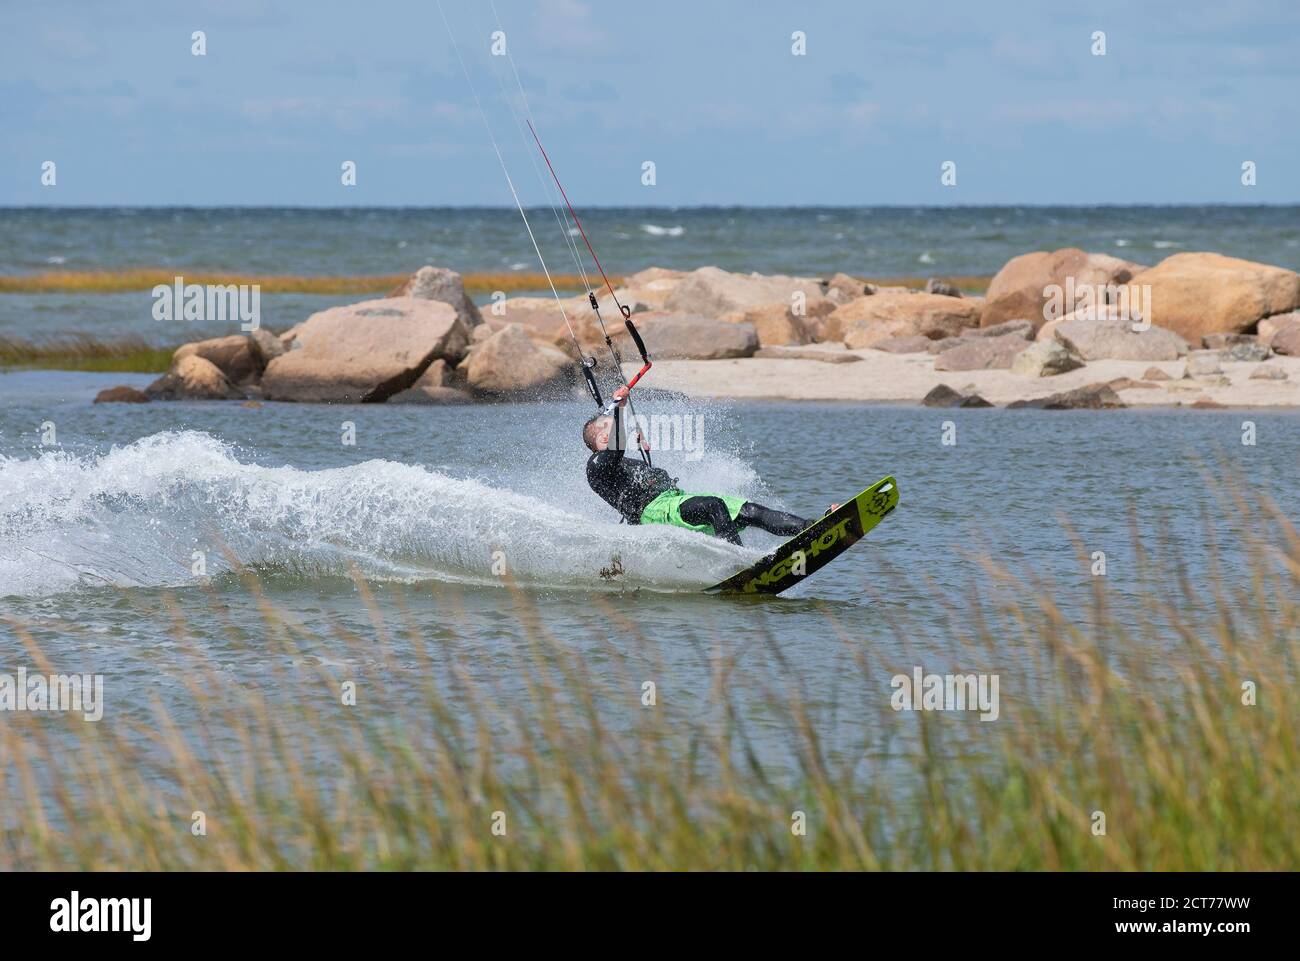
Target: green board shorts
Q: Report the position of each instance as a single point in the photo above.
(667, 509)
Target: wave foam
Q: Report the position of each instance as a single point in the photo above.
(135, 516)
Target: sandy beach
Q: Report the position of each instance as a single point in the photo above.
(880, 377)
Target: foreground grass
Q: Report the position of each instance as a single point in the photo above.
(81, 352)
(1137, 714)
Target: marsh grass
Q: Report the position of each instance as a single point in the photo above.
(476, 282)
(1134, 710)
(146, 278)
(83, 352)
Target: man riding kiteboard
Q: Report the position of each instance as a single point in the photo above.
(648, 495)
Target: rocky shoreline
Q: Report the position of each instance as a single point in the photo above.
(1055, 330)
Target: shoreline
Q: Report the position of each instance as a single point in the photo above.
(886, 375)
(686, 376)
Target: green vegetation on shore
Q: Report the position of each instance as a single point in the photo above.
(1140, 713)
(80, 352)
(146, 278)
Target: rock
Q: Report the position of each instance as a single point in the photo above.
(1286, 339)
(841, 288)
(1269, 326)
(1205, 403)
(193, 378)
(1091, 397)
(1268, 372)
(981, 353)
(1045, 359)
(1021, 287)
(1196, 294)
(1251, 351)
(435, 375)
(651, 275)
(944, 396)
(439, 283)
(686, 336)
(482, 332)
(715, 293)
(909, 344)
(251, 404)
(1155, 373)
(431, 396)
(868, 320)
(1022, 328)
(509, 362)
(365, 352)
(826, 353)
(1203, 363)
(1116, 340)
(1048, 330)
(288, 338)
(1224, 341)
(1128, 383)
(776, 324)
(933, 286)
(265, 347)
(1237, 347)
(124, 395)
(235, 356)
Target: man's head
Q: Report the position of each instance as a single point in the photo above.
(595, 432)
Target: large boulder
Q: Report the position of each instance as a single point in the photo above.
(433, 387)
(121, 395)
(1020, 328)
(982, 353)
(1117, 340)
(1046, 359)
(684, 336)
(716, 293)
(365, 352)
(510, 362)
(1269, 326)
(870, 319)
(439, 283)
(1282, 333)
(266, 346)
(1195, 294)
(235, 356)
(941, 395)
(653, 275)
(193, 378)
(1023, 288)
(778, 325)
(841, 288)
(1091, 397)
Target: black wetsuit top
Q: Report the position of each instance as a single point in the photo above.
(626, 484)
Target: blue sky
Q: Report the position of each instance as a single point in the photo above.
(708, 91)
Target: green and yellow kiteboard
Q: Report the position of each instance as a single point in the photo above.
(816, 545)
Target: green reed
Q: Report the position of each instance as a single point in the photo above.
(1135, 711)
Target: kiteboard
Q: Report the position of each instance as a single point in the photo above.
(816, 545)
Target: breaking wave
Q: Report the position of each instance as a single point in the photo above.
(137, 515)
